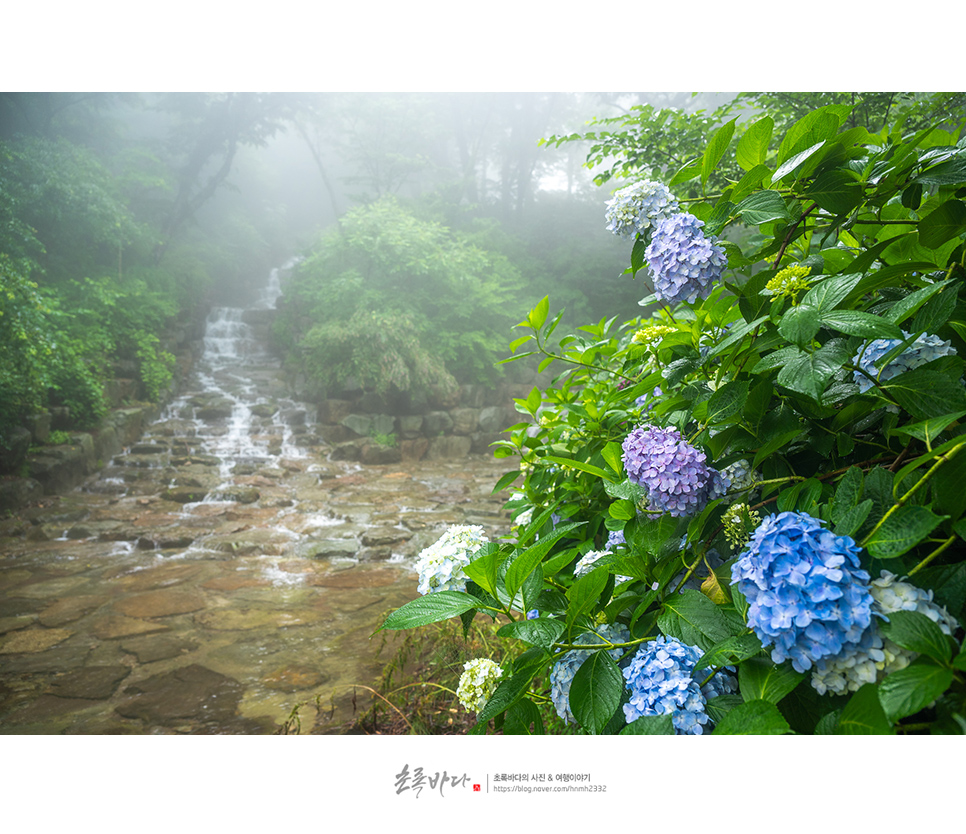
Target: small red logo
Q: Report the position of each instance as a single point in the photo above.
(476, 787)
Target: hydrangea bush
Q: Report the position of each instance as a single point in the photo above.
(742, 511)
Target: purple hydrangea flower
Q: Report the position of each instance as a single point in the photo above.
(662, 680)
(684, 264)
(923, 350)
(808, 596)
(562, 674)
(636, 208)
(672, 471)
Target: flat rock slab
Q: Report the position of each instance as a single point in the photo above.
(33, 640)
(248, 619)
(163, 576)
(94, 683)
(157, 647)
(163, 603)
(69, 609)
(294, 678)
(353, 578)
(190, 693)
(117, 625)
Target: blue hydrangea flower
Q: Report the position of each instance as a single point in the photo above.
(562, 674)
(440, 566)
(533, 613)
(923, 350)
(645, 402)
(615, 539)
(877, 656)
(639, 207)
(684, 264)
(661, 680)
(672, 471)
(808, 596)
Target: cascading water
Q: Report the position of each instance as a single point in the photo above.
(222, 569)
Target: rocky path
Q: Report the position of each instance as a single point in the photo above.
(219, 572)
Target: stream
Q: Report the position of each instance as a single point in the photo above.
(223, 569)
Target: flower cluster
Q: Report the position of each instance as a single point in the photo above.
(440, 566)
(639, 207)
(807, 595)
(877, 656)
(662, 680)
(923, 350)
(672, 471)
(562, 674)
(739, 521)
(789, 282)
(684, 264)
(478, 682)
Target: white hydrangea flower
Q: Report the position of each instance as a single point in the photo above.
(877, 656)
(636, 208)
(440, 566)
(478, 682)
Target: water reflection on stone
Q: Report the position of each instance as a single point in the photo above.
(222, 569)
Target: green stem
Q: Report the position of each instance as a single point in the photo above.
(933, 555)
(902, 501)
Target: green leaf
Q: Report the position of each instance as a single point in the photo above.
(916, 632)
(579, 464)
(694, 619)
(638, 259)
(800, 324)
(526, 562)
(950, 172)
(905, 307)
(505, 481)
(483, 570)
(945, 223)
(796, 161)
(538, 315)
(584, 594)
(760, 679)
(730, 651)
(542, 632)
(810, 374)
(848, 493)
(863, 714)
(753, 145)
(430, 608)
(817, 126)
(650, 725)
(753, 718)
(595, 693)
(716, 148)
(929, 430)
(850, 523)
(902, 531)
(926, 394)
(912, 689)
(521, 716)
(762, 207)
(508, 692)
(727, 401)
(857, 323)
(613, 454)
(837, 191)
(830, 292)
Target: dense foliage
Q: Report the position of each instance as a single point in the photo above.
(397, 304)
(743, 512)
